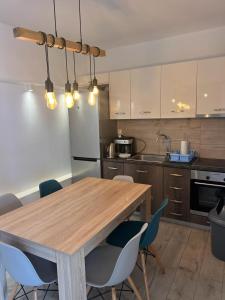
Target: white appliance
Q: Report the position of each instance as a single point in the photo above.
(91, 131)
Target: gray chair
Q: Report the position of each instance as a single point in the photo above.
(9, 202)
(124, 178)
(27, 269)
(108, 266)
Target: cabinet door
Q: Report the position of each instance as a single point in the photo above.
(178, 90)
(148, 174)
(119, 93)
(145, 93)
(111, 169)
(177, 190)
(211, 86)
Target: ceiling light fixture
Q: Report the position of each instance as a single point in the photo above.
(76, 94)
(67, 95)
(50, 40)
(95, 81)
(49, 87)
(91, 97)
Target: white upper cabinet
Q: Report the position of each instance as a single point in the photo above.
(211, 87)
(178, 90)
(119, 93)
(145, 93)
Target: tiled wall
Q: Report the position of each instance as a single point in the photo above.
(206, 136)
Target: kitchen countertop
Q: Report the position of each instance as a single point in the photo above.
(204, 164)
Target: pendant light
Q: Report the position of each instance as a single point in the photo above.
(95, 81)
(49, 88)
(91, 96)
(76, 94)
(68, 97)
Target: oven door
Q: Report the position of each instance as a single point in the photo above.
(204, 196)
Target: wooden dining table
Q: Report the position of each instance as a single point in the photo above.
(65, 226)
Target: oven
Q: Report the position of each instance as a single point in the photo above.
(206, 188)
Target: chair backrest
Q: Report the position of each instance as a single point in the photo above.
(18, 266)
(123, 178)
(153, 227)
(126, 260)
(9, 202)
(48, 187)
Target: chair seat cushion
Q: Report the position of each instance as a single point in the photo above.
(100, 264)
(46, 270)
(124, 232)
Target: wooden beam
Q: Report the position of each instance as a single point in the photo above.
(36, 37)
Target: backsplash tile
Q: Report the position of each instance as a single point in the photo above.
(206, 136)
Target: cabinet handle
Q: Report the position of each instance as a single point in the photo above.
(175, 188)
(219, 109)
(119, 113)
(112, 168)
(145, 112)
(141, 171)
(176, 201)
(175, 214)
(176, 175)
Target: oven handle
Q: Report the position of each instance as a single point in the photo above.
(209, 184)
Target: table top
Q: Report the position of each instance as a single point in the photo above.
(67, 219)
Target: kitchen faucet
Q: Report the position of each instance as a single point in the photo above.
(166, 141)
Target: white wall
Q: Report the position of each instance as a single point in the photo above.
(34, 140)
(208, 43)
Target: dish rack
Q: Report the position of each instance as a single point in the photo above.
(183, 158)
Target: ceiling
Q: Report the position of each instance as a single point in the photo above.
(112, 23)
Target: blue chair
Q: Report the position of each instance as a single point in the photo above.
(48, 187)
(27, 269)
(126, 230)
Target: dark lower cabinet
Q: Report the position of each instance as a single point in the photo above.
(148, 174)
(111, 169)
(177, 190)
(173, 183)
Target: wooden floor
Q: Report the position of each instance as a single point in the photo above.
(192, 273)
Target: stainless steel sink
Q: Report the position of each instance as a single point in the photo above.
(149, 158)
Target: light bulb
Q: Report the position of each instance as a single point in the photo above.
(51, 100)
(91, 99)
(69, 99)
(95, 90)
(76, 95)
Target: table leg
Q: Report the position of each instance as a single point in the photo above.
(146, 206)
(3, 284)
(71, 276)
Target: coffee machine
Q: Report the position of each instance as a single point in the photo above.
(124, 146)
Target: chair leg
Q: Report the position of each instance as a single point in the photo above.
(113, 293)
(14, 292)
(134, 288)
(145, 274)
(158, 260)
(35, 294)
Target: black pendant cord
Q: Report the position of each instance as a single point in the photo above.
(67, 75)
(90, 69)
(94, 66)
(80, 23)
(74, 67)
(47, 60)
(56, 33)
